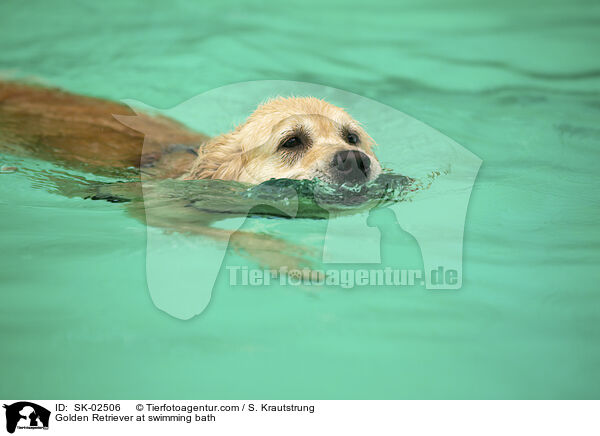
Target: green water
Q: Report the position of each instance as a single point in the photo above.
(515, 83)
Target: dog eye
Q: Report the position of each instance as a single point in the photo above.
(292, 142)
(352, 138)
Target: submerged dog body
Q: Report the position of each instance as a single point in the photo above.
(295, 138)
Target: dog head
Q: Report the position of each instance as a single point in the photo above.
(293, 138)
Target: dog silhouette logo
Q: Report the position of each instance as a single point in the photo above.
(26, 415)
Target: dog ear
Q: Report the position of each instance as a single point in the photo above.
(220, 158)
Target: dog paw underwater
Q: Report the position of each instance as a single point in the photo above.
(296, 157)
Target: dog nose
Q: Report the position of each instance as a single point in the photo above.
(354, 165)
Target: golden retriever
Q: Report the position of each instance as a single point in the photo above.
(294, 138)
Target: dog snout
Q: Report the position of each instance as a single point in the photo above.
(352, 165)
